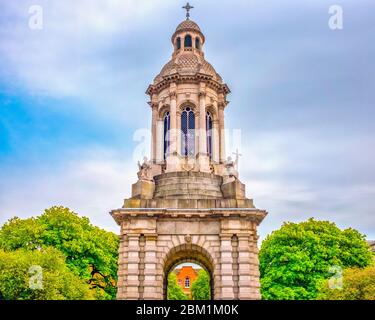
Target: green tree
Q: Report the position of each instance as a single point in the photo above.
(358, 284)
(90, 252)
(19, 280)
(296, 258)
(201, 289)
(174, 291)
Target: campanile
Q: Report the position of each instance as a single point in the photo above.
(188, 204)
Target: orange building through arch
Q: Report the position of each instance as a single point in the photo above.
(186, 276)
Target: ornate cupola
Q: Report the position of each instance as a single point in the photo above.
(188, 98)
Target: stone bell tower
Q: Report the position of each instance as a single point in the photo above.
(188, 204)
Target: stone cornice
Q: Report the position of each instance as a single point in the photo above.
(197, 78)
(251, 214)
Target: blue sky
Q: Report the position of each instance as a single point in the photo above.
(72, 95)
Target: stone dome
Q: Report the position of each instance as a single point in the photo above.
(188, 63)
(188, 25)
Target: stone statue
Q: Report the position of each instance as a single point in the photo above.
(144, 173)
(231, 171)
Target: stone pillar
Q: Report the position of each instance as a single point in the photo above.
(132, 284)
(122, 268)
(173, 135)
(216, 142)
(160, 141)
(216, 277)
(202, 124)
(254, 264)
(154, 137)
(244, 268)
(152, 289)
(172, 158)
(223, 157)
(227, 283)
(178, 140)
(203, 158)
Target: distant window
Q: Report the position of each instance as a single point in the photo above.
(188, 41)
(197, 43)
(187, 283)
(167, 128)
(178, 43)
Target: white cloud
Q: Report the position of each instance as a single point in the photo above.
(296, 182)
(92, 183)
(77, 54)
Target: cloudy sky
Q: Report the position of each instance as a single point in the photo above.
(303, 96)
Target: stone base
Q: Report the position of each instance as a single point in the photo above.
(173, 163)
(204, 163)
(143, 190)
(224, 242)
(234, 190)
(188, 185)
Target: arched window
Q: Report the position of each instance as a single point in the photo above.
(188, 41)
(187, 283)
(209, 134)
(197, 43)
(188, 132)
(178, 43)
(167, 128)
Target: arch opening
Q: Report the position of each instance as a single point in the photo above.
(188, 41)
(186, 266)
(197, 43)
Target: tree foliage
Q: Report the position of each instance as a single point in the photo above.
(358, 284)
(174, 291)
(201, 289)
(56, 281)
(90, 252)
(296, 258)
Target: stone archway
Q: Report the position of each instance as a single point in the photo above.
(188, 253)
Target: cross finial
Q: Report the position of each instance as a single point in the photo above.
(238, 155)
(188, 7)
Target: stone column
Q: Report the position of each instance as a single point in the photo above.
(216, 142)
(203, 158)
(132, 284)
(254, 264)
(173, 136)
(154, 131)
(152, 289)
(202, 124)
(244, 268)
(222, 133)
(172, 158)
(160, 141)
(178, 140)
(227, 283)
(122, 268)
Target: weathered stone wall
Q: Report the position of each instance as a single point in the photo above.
(188, 185)
(151, 246)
